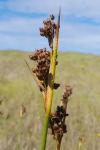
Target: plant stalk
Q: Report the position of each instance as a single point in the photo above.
(58, 145)
(49, 96)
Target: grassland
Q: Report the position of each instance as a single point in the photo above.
(18, 88)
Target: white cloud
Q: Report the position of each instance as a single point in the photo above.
(80, 37)
(87, 8)
(73, 36)
(20, 25)
(21, 42)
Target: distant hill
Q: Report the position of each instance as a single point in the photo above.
(18, 89)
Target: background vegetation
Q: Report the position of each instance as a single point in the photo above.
(18, 88)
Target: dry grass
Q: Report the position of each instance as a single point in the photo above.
(17, 87)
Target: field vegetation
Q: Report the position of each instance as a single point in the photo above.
(21, 104)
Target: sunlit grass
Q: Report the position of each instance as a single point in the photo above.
(17, 87)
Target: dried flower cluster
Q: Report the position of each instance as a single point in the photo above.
(57, 119)
(45, 73)
(48, 29)
(56, 122)
(42, 57)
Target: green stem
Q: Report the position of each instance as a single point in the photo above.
(79, 145)
(44, 132)
(48, 102)
(49, 96)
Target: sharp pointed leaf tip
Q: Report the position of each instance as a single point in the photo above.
(59, 17)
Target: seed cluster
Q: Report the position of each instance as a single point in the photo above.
(44, 78)
(67, 92)
(42, 57)
(57, 119)
(57, 122)
(48, 29)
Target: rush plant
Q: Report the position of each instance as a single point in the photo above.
(44, 75)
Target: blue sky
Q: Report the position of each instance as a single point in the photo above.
(80, 24)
